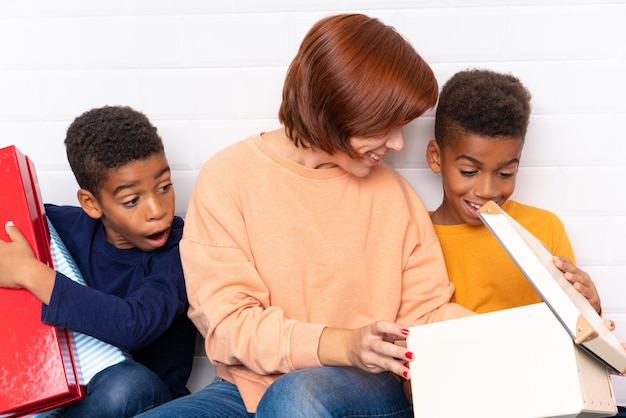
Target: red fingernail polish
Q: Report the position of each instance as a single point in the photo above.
(405, 374)
(405, 331)
(405, 364)
(409, 355)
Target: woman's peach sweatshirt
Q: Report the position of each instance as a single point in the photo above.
(273, 252)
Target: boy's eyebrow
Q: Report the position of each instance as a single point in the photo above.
(160, 173)
(478, 163)
(134, 183)
(470, 159)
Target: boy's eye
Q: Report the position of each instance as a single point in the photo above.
(506, 175)
(468, 173)
(132, 202)
(165, 187)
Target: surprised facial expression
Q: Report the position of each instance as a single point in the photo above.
(136, 204)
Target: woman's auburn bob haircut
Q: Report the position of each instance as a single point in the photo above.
(353, 76)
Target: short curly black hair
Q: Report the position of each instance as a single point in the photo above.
(107, 138)
(482, 102)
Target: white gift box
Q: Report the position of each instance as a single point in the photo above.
(514, 363)
(545, 360)
(572, 309)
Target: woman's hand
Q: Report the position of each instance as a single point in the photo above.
(580, 279)
(371, 348)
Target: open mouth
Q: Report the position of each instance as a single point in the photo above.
(473, 205)
(373, 156)
(157, 236)
(472, 208)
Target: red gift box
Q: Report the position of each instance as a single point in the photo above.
(37, 370)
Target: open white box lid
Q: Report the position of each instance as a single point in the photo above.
(571, 308)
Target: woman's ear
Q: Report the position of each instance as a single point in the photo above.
(89, 203)
(433, 156)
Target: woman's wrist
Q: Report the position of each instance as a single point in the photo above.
(334, 347)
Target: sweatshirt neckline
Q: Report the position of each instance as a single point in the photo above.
(311, 173)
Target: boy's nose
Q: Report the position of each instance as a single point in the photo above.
(156, 209)
(487, 189)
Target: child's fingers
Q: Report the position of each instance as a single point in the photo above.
(7, 226)
(13, 232)
(564, 264)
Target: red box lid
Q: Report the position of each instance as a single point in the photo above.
(36, 363)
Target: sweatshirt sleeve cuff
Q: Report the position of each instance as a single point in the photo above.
(304, 342)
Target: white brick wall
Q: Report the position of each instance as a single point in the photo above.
(208, 73)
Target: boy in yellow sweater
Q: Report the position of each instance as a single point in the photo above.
(480, 127)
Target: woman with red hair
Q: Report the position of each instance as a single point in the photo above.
(306, 256)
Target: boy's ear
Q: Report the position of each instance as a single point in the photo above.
(89, 203)
(433, 156)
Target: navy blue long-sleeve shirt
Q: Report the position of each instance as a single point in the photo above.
(135, 300)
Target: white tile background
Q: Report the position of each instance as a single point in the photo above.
(209, 73)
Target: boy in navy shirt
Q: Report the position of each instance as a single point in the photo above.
(124, 239)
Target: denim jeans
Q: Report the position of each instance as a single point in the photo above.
(123, 390)
(314, 392)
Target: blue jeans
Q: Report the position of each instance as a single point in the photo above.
(314, 392)
(123, 390)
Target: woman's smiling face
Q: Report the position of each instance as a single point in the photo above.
(370, 151)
